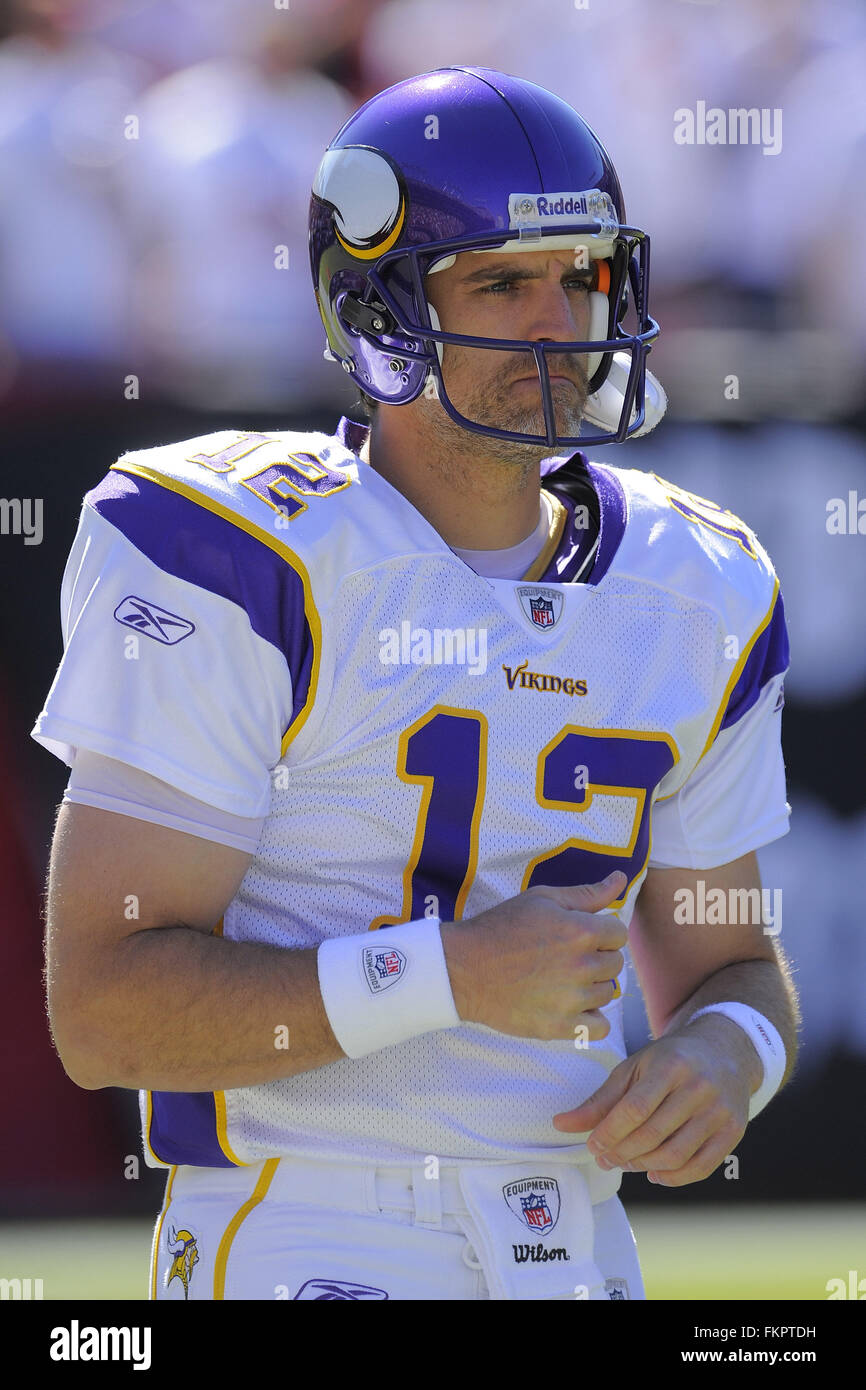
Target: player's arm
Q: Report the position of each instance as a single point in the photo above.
(683, 967)
(141, 993)
(678, 1106)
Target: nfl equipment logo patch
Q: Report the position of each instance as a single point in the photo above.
(543, 607)
(535, 1203)
(541, 610)
(616, 1288)
(382, 967)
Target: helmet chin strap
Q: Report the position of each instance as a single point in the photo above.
(434, 323)
(604, 407)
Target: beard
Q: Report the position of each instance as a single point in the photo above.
(500, 404)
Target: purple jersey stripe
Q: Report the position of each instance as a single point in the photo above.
(613, 519)
(613, 514)
(572, 548)
(183, 1129)
(351, 434)
(768, 658)
(197, 545)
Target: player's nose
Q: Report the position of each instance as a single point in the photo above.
(558, 314)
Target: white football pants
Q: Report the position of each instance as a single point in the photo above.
(295, 1229)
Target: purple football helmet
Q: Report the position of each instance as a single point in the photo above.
(469, 159)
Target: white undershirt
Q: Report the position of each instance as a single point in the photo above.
(515, 560)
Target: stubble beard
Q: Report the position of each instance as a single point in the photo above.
(494, 404)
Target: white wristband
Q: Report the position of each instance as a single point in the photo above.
(767, 1043)
(382, 988)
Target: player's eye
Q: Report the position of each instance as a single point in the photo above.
(582, 281)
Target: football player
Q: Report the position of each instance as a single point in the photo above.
(378, 737)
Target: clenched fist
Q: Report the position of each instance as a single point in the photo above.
(540, 964)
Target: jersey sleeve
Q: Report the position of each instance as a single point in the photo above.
(110, 785)
(187, 652)
(734, 800)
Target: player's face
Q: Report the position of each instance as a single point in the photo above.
(532, 295)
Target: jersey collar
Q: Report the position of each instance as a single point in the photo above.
(573, 469)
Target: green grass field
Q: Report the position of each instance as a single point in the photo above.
(700, 1253)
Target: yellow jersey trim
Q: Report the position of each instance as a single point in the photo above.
(558, 518)
(225, 1245)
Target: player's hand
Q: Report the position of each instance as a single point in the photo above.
(675, 1109)
(541, 964)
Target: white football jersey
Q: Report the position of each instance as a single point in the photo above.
(264, 623)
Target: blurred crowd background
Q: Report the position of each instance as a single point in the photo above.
(153, 153)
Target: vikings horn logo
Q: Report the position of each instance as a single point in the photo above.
(369, 205)
(182, 1245)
